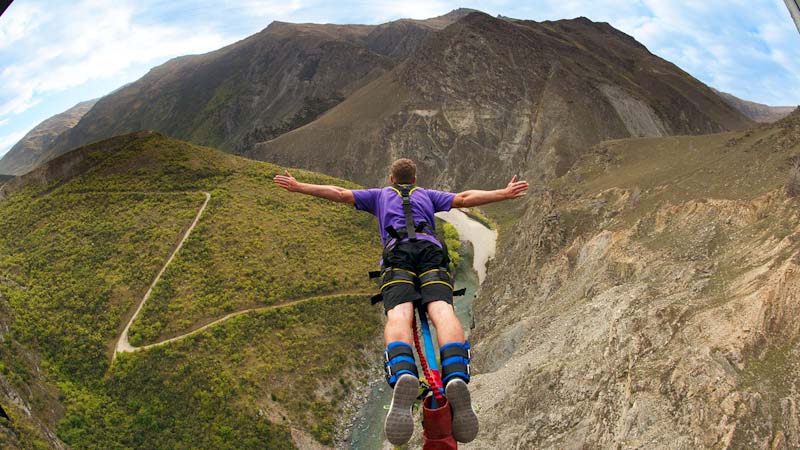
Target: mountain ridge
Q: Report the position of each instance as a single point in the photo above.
(540, 104)
(32, 149)
(757, 111)
(259, 87)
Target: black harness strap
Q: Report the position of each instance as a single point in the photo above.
(410, 231)
(405, 193)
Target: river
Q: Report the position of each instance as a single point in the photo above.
(477, 247)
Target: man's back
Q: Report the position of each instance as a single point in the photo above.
(387, 205)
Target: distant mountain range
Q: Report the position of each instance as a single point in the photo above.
(757, 111)
(288, 75)
(36, 147)
(250, 91)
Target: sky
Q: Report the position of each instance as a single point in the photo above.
(56, 54)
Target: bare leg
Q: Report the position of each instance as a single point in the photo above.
(448, 327)
(449, 330)
(398, 324)
(399, 424)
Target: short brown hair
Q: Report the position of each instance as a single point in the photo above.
(403, 170)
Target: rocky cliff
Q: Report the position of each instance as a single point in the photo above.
(649, 299)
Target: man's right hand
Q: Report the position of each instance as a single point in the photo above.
(287, 181)
(515, 189)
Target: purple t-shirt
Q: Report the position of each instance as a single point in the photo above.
(387, 206)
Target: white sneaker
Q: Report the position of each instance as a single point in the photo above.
(399, 425)
(465, 422)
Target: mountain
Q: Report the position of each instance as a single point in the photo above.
(83, 236)
(33, 148)
(4, 178)
(488, 97)
(648, 298)
(255, 89)
(757, 111)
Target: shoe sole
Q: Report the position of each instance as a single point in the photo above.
(465, 422)
(399, 425)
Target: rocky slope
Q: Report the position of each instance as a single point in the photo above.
(649, 299)
(487, 97)
(34, 148)
(757, 111)
(255, 89)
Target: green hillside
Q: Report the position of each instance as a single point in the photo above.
(80, 253)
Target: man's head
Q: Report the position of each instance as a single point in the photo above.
(403, 171)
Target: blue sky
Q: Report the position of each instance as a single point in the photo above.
(56, 54)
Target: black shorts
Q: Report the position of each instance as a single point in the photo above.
(417, 257)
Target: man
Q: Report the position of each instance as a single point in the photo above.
(414, 270)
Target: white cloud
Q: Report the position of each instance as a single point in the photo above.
(384, 10)
(20, 20)
(99, 40)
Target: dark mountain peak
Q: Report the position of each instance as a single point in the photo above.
(400, 38)
(478, 17)
(451, 17)
(325, 30)
(584, 25)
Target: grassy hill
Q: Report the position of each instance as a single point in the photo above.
(81, 239)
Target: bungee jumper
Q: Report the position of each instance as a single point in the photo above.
(415, 273)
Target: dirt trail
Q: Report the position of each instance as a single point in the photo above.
(123, 345)
(246, 311)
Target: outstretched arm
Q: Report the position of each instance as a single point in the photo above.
(332, 193)
(515, 189)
